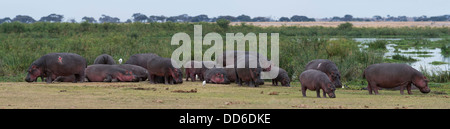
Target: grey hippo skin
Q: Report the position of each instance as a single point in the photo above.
(160, 66)
(282, 77)
(57, 64)
(390, 75)
(139, 72)
(328, 67)
(216, 75)
(315, 80)
(108, 73)
(247, 74)
(104, 59)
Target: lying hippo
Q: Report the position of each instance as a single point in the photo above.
(246, 74)
(108, 73)
(57, 64)
(104, 59)
(328, 67)
(282, 77)
(139, 72)
(390, 75)
(315, 80)
(160, 66)
(216, 75)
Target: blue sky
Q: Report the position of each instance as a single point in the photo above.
(123, 9)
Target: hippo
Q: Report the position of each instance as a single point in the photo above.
(191, 72)
(262, 61)
(57, 64)
(328, 67)
(251, 76)
(231, 73)
(104, 59)
(139, 72)
(315, 80)
(70, 78)
(108, 73)
(141, 59)
(216, 75)
(159, 66)
(390, 75)
(282, 77)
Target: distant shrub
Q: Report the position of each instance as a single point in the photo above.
(223, 23)
(345, 26)
(378, 44)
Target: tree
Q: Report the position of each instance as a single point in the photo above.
(52, 18)
(377, 18)
(345, 26)
(105, 19)
(223, 23)
(347, 17)
(5, 20)
(229, 18)
(88, 19)
(261, 19)
(284, 19)
(200, 18)
(297, 18)
(243, 18)
(23, 19)
(139, 17)
(157, 18)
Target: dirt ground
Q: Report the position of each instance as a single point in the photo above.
(190, 95)
(355, 24)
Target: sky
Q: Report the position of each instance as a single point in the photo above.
(124, 9)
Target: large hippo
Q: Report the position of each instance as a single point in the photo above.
(315, 80)
(390, 75)
(139, 72)
(104, 59)
(141, 59)
(245, 73)
(216, 75)
(328, 67)
(160, 66)
(282, 77)
(57, 64)
(108, 73)
(231, 73)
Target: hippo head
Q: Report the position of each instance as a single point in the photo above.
(335, 77)
(421, 82)
(33, 72)
(177, 75)
(220, 78)
(329, 89)
(127, 76)
(286, 81)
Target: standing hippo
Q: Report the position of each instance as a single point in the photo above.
(245, 73)
(160, 66)
(139, 72)
(328, 67)
(231, 73)
(57, 64)
(216, 75)
(315, 80)
(104, 59)
(108, 73)
(390, 75)
(282, 77)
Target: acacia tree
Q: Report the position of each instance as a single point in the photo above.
(106, 18)
(88, 19)
(139, 17)
(23, 19)
(52, 18)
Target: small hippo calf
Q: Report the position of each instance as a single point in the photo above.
(315, 80)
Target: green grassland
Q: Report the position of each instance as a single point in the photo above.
(154, 96)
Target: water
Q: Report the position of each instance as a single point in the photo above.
(433, 54)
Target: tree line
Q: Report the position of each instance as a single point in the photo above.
(139, 17)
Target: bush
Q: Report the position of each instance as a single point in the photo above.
(378, 45)
(223, 23)
(345, 26)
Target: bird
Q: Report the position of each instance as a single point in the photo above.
(204, 83)
(120, 61)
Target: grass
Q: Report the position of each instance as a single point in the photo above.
(397, 58)
(438, 63)
(143, 95)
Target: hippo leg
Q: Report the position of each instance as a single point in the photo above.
(324, 93)
(408, 88)
(304, 91)
(166, 79)
(77, 78)
(401, 89)
(273, 82)
(151, 78)
(318, 92)
(49, 78)
(192, 77)
(108, 78)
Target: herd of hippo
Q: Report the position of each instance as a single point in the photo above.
(320, 74)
